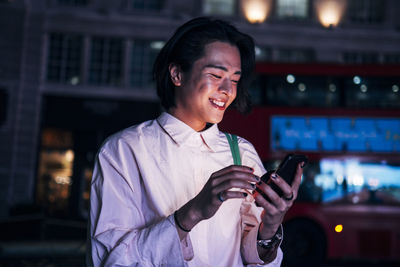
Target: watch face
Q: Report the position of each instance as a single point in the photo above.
(269, 243)
(265, 243)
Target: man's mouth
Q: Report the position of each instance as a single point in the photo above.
(219, 104)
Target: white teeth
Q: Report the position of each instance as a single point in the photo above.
(218, 103)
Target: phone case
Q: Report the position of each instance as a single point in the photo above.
(286, 170)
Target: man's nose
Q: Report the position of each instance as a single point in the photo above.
(226, 86)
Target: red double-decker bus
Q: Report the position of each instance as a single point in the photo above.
(349, 200)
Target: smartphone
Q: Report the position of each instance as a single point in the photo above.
(286, 170)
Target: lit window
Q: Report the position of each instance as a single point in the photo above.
(292, 8)
(219, 7)
(106, 61)
(143, 56)
(64, 58)
(55, 171)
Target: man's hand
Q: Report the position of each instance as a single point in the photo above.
(215, 192)
(275, 207)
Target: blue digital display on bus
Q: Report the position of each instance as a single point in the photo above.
(335, 134)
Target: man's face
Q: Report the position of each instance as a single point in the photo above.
(204, 93)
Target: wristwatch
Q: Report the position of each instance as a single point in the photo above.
(270, 243)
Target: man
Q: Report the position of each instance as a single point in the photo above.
(165, 192)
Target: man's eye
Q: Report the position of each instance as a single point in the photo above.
(235, 81)
(216, 76)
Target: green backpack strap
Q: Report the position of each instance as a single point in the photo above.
(233, 143)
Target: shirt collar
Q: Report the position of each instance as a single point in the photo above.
(181, 133)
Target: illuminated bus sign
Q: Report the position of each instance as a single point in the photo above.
(335, 134)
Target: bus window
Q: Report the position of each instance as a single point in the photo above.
(337, 181)
(354, 182)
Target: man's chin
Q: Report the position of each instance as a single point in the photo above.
(216, 120)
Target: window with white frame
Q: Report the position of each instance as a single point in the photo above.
(105, 66)
(298, 9)
(366, 11)
(143, 52)
(64, 58)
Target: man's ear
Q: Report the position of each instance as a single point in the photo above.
(176, 74)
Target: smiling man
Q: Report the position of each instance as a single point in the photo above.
(166, 192)
(203, 94)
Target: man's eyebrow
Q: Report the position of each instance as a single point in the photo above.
(221, 68)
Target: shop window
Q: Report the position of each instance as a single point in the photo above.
(105, 66)
(64, 58)
(298, 9)
(219, 7)
(143, 55)
(55, 171)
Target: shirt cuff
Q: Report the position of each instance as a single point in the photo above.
(250, 251)
(249, 245)
(186, 243)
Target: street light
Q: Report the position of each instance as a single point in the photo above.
(330, 12)
(256, 11)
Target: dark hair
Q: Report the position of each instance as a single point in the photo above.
(187, 45)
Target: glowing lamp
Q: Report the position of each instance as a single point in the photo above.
(256, 11)
(330, 12)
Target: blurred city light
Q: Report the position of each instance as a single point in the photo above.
(332, 87)
(302, 87)
(69, 155)
(290, 78)
(363, 88)
(256, 11)
(338, 228)
(157, 45)
(356, 79)
(330, 12)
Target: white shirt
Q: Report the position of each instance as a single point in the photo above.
(146, 172)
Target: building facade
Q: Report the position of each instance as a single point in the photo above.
(74, 71)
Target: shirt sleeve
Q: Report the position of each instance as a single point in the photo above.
(119, 232)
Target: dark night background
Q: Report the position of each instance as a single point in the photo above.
(72, 72)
